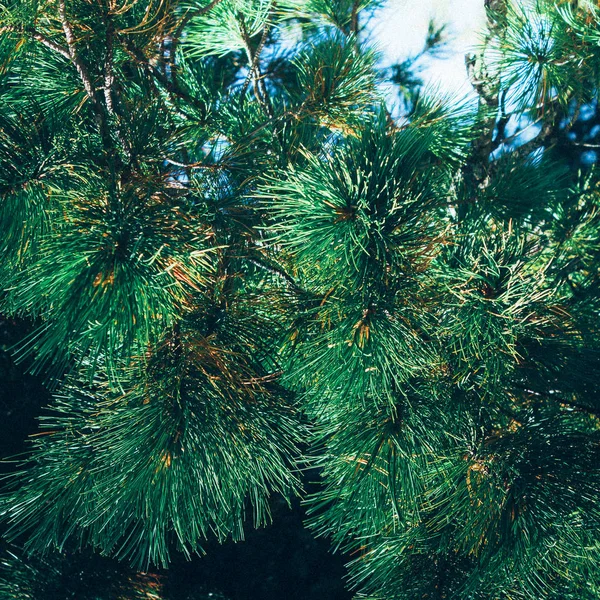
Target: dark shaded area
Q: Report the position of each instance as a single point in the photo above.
(76, 576)
(22, 396)
(580, 144)
(280, 562)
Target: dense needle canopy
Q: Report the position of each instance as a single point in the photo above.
(240, 263)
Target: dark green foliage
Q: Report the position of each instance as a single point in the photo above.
(498, 289)
(62, 576)
(222, 30)
(237, 263)
(131, 262)
(335, 80)
(200, 429)
(361, 208)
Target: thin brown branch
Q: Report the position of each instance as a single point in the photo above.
(276, 270)
(488, 91)
(36, 35)
(109, 77)
(175, 36)
(196, 165)
(109, 80)
(50, 44)
(81, 69)
(354, 23)
(259, 79)
(254, 74)
(545, 138)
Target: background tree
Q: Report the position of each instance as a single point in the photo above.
(236, 262)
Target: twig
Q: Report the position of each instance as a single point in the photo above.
(81, 69)
(109, 77)
(254, 73)
(354, 24)
(275, 270)
(544, 138)
(176, 34)
(585, 145)
(109, 80)
(36, 35)
(70, 53)
(50, 44)
(196, 165)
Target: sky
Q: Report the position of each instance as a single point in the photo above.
(400, 27)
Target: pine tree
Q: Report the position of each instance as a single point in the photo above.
(237, 262)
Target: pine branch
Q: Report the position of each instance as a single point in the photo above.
(489, 94)
(354, 22)
(172, 88)
(196, 165)
(109, 80)
(109, 77)
(87, 82)
(192, 14)
(79, 65)
(298, 246)
(279, 272)
(70, 53)
(50, 44)
(36, 35)
(254, 73)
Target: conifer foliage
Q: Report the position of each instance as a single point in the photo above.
(237, 262)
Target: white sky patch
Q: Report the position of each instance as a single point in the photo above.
(399, 29)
